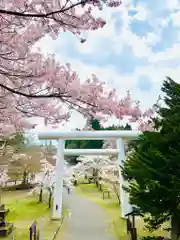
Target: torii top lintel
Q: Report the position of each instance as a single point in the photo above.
(88, 135)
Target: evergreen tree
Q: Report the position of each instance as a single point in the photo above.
(153, 168)
(88, 144)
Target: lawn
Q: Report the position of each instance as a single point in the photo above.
(117, 225)
(24, 210)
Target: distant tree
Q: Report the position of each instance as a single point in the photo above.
(153, 168)
(119, 127)
(9, 146)
(49, 152)
(94, 144)
(25, 164)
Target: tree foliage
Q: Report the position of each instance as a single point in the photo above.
(9, 146)
(153, 168)
(33, 84)
(24, 165)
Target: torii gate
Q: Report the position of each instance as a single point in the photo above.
(61, 137)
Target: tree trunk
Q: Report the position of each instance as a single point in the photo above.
(75, 182)
(40, 195)
(95, 176)
(25, 176)
(97, 183)
(116, 191)
(175, 227)
(50, 197)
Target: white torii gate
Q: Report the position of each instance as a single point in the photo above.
(61, 137)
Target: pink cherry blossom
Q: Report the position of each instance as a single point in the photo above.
(34, 85)
(146, 126)
(28, 81)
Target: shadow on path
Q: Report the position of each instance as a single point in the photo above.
(86, 220)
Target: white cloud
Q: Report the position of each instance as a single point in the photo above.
(172, 4)
(151, 38)
(92, 44)
(175, 17)
(169, 54)
(142, 13)
(140, 45)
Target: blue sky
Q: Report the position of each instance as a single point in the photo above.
(136, 50)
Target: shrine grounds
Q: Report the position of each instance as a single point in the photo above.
(24, 209)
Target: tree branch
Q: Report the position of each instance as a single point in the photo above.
(42, 15)
(52, 95)
(30, 95)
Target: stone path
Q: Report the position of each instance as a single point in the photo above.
(86, 220)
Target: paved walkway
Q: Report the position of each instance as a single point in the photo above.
(86, 221)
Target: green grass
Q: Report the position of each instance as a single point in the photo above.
(6, 196)
(24, 210)
(117, 225)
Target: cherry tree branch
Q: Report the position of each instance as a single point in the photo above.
(52, 95)
(64, 98)
(42, 15)
(30, 95)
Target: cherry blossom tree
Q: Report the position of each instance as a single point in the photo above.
(54, 99)
(45, 181)
(49, 181)
(92, 164)
(27, 75)
(3, 178)
(8, 147)
(55, 16)
(25, 165)
(34, 85)
(110, 176)
(86, 163)
(106, 171)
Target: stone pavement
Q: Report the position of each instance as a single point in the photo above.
(86, 220)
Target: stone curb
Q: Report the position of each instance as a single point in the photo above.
(59, 227)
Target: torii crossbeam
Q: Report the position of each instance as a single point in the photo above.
(61, 137)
